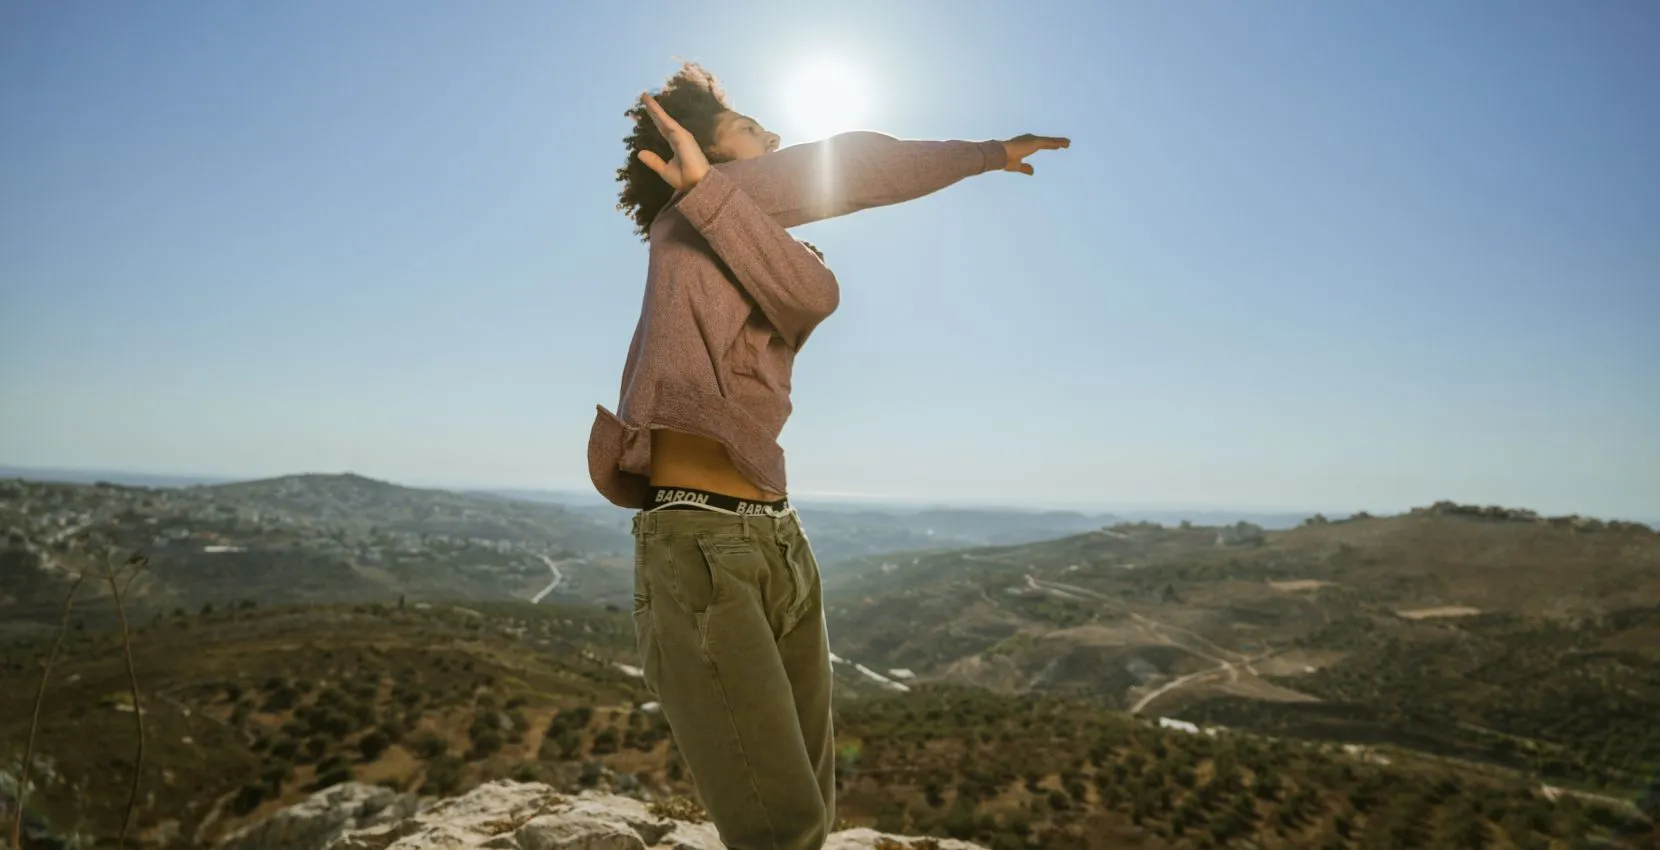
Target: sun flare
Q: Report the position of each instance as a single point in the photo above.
(825, 97)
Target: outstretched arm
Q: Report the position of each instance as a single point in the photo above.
(844, 173)
(856, 171)
(792, 286)
(742, 207)
(861, 170)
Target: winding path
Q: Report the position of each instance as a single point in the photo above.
(558, 579)
(1162, 632)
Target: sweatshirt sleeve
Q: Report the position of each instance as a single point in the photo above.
(855, 171)
(790, 284)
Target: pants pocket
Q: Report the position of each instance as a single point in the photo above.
(645, 642)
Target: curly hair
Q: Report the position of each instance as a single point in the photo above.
(692, 97)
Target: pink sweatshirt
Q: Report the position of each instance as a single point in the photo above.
(731, 297)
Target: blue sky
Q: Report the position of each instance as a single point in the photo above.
(1304, 255)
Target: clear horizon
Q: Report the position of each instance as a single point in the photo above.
(1363, 257)
(841, 498)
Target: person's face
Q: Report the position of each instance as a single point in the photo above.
(739, 136)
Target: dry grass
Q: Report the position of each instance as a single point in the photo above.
(681, 809)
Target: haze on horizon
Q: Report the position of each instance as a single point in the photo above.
(1330, 258)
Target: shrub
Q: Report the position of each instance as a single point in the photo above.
(933, 790)
(285, 748)
(248, 798)
(443, 776)
(330, 721)
(274, 774)
(372, 745)
(429, 745)
(561, 746)
(960, 822)
(282, 698)
(486, 744)
(361, 713)
(330, 778)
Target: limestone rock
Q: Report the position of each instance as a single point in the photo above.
(315, 822)
(531, 816)
(507, 815)
(870, 839)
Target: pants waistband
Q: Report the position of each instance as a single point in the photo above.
(685, 498)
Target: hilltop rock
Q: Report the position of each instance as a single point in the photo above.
(323, 817)
(509, 816)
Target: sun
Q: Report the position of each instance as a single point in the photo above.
(825, 97)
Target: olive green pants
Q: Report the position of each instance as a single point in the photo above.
(729, 615)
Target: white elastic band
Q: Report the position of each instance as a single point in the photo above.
(788, 511)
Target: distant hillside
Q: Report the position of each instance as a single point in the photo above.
(93, 476)
(251, 709)
(314, 538)
(1513, 639)
(334, 538)
(842, 531)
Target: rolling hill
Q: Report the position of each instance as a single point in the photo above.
(312, 538)
(338, 538)
(577, 521)
(1495, 635)
(251, 709)
(1472, 649)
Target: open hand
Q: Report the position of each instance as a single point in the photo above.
(1020, 147)
(687, 165)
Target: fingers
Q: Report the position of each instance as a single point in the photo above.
(1027, 169)
(665, 125)
(1048, 143)
(654, 162)
(670, 174)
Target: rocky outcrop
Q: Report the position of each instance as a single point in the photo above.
(324, 817)
(508, 815)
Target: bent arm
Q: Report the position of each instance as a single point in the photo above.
(855, 171)
(787, 280)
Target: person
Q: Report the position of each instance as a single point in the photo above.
(728, 605)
